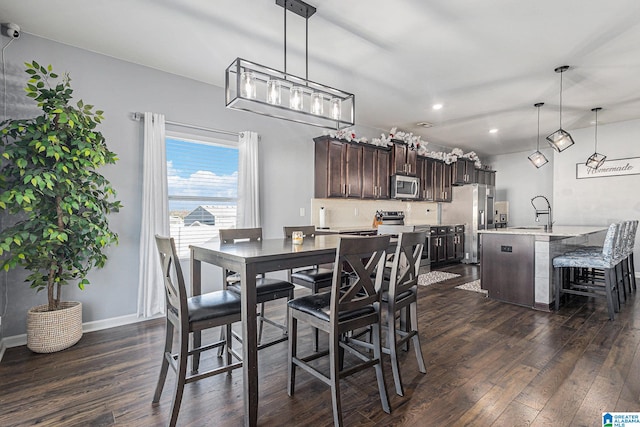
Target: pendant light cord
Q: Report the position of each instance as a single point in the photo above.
(538, 143)
(596, 131)
(561, 73)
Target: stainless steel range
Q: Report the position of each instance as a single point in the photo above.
(393, 223)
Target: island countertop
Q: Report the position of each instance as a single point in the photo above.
(557, 231)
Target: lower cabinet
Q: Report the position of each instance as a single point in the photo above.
(447, 244)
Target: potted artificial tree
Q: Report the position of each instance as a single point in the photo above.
(49, 184)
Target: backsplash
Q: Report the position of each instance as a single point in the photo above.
(360, 213)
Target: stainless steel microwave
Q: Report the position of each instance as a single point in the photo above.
(405, 187)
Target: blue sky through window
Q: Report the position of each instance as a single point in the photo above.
(200, 170)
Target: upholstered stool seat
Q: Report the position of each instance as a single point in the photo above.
(594, 286)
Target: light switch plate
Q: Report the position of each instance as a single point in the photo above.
(301, 211)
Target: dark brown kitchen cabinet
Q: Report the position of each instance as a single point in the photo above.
(403, 159)
(463, 172)
(486, 176)
(442, 182)
(375, 172)
(338, 168)
(425, 171)
(438, 245)
(447, 244)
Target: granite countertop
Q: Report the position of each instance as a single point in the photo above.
(347, 229)
(556, 231)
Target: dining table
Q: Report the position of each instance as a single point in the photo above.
(250, 259)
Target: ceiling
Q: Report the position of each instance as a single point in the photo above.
(486, 61)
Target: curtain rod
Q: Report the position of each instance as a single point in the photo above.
(140, 116)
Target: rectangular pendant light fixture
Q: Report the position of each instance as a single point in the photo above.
(263, 90)
(596, 159)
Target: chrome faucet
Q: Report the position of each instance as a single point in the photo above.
(543, 212)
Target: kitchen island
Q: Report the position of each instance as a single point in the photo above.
(516, 263)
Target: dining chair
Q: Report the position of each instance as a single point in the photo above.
(267, 289)
(315, 277)
(343, 309)
(186, 315)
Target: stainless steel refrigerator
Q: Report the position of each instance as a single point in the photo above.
(473, 206)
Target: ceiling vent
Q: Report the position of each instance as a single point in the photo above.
(425, 124)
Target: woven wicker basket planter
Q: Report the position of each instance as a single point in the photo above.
(51, 331)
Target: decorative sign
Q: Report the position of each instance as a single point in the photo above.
(615, 167)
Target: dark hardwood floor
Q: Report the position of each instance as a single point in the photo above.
(488, 364)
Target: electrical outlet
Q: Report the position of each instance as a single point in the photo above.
(301, 211)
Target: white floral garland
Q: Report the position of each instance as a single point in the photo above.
(413, 141)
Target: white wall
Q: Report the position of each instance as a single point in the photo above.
(518, 181)
(121, 88)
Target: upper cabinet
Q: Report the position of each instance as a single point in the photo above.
(375, 172)
(346, 169)
(485, 176)
(338, 169)
(343, 169)
(463, 172)
(442, 182)
(403, 159)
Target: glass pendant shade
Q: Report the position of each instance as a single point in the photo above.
(596, 159)
(247, 85)
(274, 92)
(336, 108)
(295, 98)
(317, 101)
(560, 140)
(538, 159)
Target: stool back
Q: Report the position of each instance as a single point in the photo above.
(232, 235)
(406, 263)
(365, 256)
(174, 287)
(611, 239)
(307, 230)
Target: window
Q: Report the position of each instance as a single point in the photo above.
(202, 177)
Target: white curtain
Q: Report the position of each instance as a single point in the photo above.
(155, 216)
(248, 213)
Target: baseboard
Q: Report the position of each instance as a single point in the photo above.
(96, 325)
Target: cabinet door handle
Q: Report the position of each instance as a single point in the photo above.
(349, 188)
(345, 189)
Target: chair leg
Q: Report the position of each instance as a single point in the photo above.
(632, 271)
(393, 348)
(610, 281)
(293, 352)
(181, 377)
(164, 367)
(416, 338)
(195, 360)
(260, 323)
(377, 354)
(222, 337)
(334, 367)
(228, 338)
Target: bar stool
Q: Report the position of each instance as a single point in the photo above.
(340, 311)
(594, 286)
(267, 289)
(190, 316)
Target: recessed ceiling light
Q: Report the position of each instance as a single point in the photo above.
(425, 124)
(494, 130)
(437, 106)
